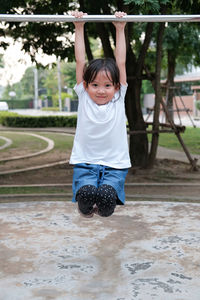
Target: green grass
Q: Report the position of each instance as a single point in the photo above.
(2, 142)
(31, 143)
(33, 190)
(62, 141)
(23, 141)
(191, 138)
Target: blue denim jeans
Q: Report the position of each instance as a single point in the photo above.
(98, 175)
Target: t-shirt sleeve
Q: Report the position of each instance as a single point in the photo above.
(120, 95)
(79, 89)
(123, 90)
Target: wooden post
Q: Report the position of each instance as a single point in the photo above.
(192, 161)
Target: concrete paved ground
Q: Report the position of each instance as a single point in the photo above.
(165, 153)
(145, 251)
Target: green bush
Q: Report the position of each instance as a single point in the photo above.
(40, 121)
(19, 104)
(5, 114)
(198, 104)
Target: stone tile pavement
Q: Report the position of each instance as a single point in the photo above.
(145, 251)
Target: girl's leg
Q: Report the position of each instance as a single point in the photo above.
(86, 198)
(106, 199)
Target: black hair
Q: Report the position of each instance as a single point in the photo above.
(102, 64)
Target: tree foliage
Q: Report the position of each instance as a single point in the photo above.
(142, 45)
(47, 80)
(144, 6)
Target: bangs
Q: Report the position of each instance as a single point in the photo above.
(95, 66)
(108, 74)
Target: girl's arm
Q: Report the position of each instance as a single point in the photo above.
(120, 50)
(79, 46)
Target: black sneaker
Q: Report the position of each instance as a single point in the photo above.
(90, 215)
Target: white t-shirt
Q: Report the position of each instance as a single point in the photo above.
(101, 136)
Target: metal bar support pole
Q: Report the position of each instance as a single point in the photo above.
(99, 18)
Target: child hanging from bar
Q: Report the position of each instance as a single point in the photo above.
(100, 152)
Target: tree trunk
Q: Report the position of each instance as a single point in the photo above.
(87, 46)
(87, 43)
(171, 57)
(158, 97)
(104, 36)
(138, 142)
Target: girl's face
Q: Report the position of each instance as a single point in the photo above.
(101, 90)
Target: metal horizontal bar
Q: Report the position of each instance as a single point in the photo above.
(99, 18)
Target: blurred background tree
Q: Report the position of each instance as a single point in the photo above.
(148, 49)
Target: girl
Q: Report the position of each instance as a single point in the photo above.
(100, 152)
